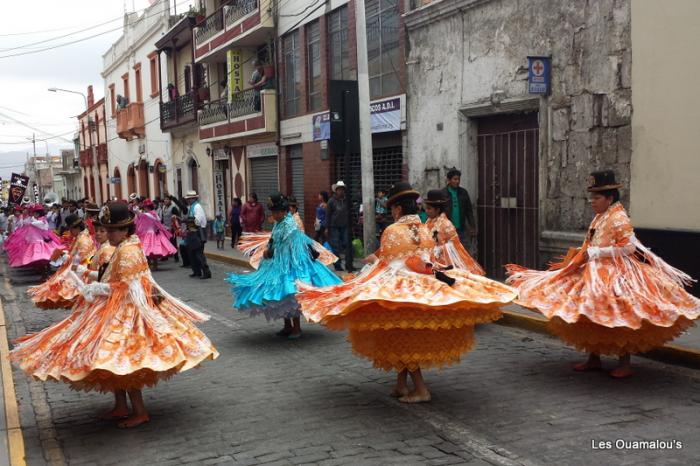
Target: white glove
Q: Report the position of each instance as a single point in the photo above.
(595, 253)
(80, 269)
(93, 290)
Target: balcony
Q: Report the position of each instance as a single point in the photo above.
(130, 121)
(86, 158)
(102, 154)
(181, 111)
(244, 116)
(239, 23)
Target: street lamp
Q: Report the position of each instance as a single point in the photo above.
(56, 89)
(92, 147)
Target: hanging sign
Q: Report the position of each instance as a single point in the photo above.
(322, 126)
(234, 68)
(539, 75)
(219, 193)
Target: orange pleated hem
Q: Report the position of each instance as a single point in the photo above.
(105, 381)
(56, 302)
(412, 349)
(384, 315)
(590, 337)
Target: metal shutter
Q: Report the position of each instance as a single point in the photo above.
(263, 177)
(297, 163)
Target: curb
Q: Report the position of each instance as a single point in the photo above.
(669, 354)
(15, 441)
(228, 260)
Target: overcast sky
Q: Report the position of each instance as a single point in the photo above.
(24, 80)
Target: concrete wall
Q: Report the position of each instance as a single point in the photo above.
(184, 149)
(468, 53)
(666, 165)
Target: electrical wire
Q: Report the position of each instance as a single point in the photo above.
(82, 39)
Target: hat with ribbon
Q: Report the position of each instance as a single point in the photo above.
(401, 190)
(602, 181)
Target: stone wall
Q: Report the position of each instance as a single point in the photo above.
(466, 52)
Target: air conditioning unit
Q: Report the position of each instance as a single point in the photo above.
(142, 149)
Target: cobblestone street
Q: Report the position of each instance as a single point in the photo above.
(266, 400)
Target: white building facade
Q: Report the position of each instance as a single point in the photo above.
(140, 157)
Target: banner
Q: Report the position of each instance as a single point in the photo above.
(234, 69)
(18, 186)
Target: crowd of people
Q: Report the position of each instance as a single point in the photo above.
(413, 306)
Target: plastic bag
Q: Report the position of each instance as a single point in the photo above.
(357, 248)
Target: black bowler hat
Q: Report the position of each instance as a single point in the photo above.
(292, 201)
(602, 181)
(277, 202)
(435, 197)
(116, 215)
(401, 190)
(73, 221)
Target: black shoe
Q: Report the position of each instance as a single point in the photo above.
(338, 267)
(195, 275)
(205, 276)
(177, 258)
(183, 266)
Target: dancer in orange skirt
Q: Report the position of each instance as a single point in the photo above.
(126, 333)
(448, 250)
(401, 312)
(98, 262)
(612, 296)
(58, 292)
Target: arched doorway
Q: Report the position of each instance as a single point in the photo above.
(131, 179)
(92, 188)
(194, 176)
(117, 184)
(160, 184)
(144, 190)
(86, 186)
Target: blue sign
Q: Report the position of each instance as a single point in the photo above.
(539, 75)
(322, 126)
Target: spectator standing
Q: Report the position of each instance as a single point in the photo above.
(219, 230)
(321, 222)
(459, 207)
(235, 221)
(252, 214)
(196, 236)
(338, 222)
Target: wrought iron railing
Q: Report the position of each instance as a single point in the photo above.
(209, 27)
(238, 9)
(213, 112)
(244, 103)
(180, 110)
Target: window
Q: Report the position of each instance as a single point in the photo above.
(125, 82)
(153, 64)
(137, 78)
(292, 74)
(338, 48)
(112, 100)
(313, 60)
(383, 53)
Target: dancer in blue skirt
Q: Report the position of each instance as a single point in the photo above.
(289, 257)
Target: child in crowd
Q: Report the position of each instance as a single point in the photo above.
(219, 230)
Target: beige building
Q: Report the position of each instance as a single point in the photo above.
(665, 167)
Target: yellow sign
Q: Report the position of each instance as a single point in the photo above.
(234, 67)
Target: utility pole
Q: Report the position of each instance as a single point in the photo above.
(366, 157)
